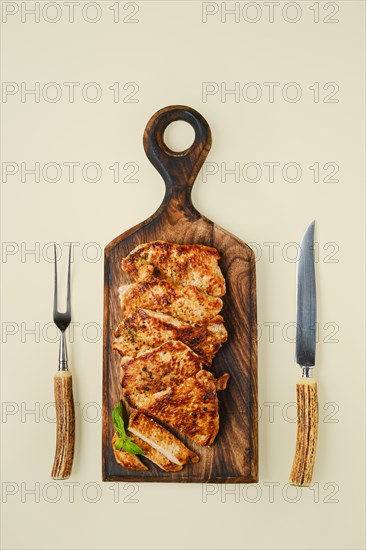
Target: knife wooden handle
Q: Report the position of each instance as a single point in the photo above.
(65, 425)
(307, 432)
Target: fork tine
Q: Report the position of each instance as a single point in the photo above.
(62, 319)
(68, 305)
(55, 289)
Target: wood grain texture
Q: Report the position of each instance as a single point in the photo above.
(65, 425)
(307, 432)
(234, 454)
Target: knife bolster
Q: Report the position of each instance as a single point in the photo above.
(65, 425)
(307, 372)
(307, 432)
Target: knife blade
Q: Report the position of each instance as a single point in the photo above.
(306, 302)
(306, 388)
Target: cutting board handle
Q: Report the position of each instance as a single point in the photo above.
(178, 169)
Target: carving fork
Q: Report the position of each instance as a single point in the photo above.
(64, 400)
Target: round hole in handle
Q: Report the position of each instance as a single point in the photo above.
(179, 136)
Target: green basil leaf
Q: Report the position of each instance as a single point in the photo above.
(128, 445)
(119, 417)
(124, 414)
(119, 444)
(118, 420)
(131, 447)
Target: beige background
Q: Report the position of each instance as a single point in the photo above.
(169, 52)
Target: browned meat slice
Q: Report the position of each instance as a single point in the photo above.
(128, 460)
(167, 365)
(125, 459)
(160, 439)
(192, 264)
(187, 303)
(145, 329)
(191, 408)
(155, 456)
(222, 381)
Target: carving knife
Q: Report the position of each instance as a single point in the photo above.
(306, 389)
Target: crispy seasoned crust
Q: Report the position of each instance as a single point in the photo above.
(187, 303)
(170, 331)
(145, 329)
(193, 264)
(155, 456)
(167, 365)
(160, 439)
(191, 408)
(222, 381)
(125, 459)
(128, 460)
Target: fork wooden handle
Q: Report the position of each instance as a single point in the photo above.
(65, 425)
(307, 432)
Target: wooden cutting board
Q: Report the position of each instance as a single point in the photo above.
(234, 455)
